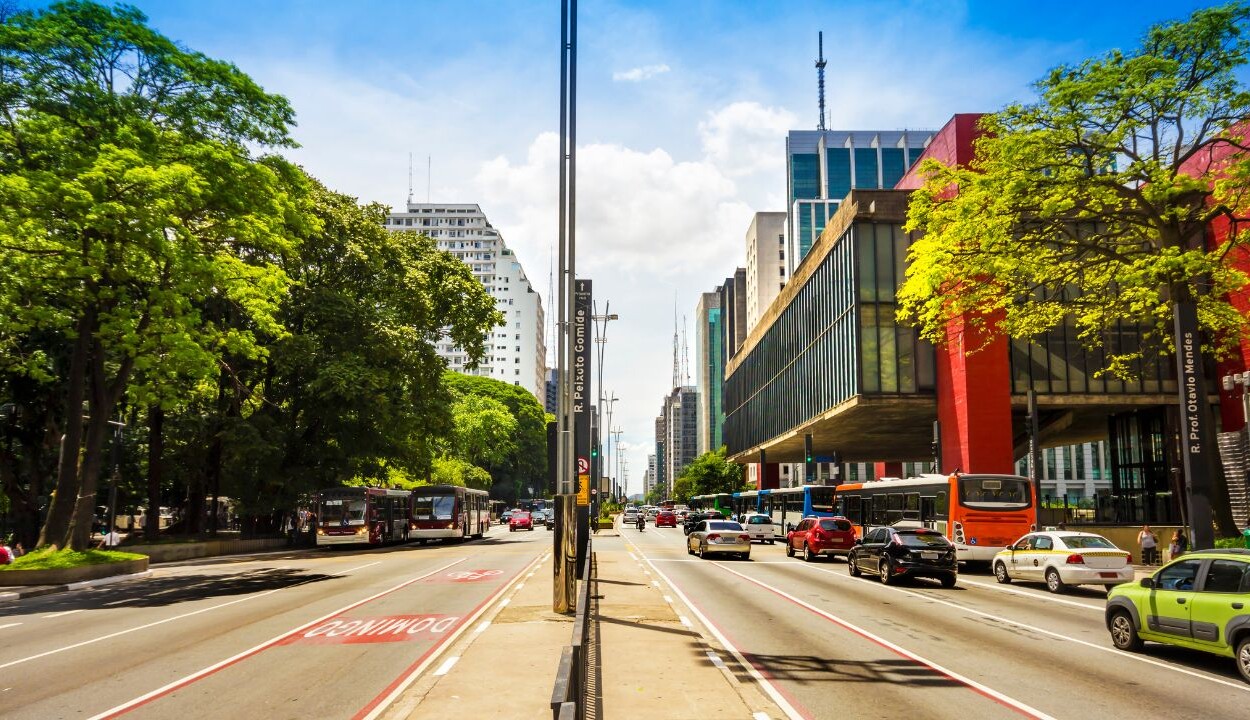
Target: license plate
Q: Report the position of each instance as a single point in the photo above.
(931, 555)
(1106, 575)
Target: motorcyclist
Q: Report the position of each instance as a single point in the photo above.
(642, 522)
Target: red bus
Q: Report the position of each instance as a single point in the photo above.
(448, 511)
(980, 514)
(351, 515)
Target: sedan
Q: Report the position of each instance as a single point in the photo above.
(520, 520)
(665, 518)
(719, 536)
(1064, 558)
(893, 554)
(817, 536)
(759, 527)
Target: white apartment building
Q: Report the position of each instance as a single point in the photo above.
(766, 263)
(515, 350)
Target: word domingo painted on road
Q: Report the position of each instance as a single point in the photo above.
(465, 576)
(393, 628)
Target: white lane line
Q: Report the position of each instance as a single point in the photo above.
(711, 654)
(358, 567)
(898, 649)
(119, 633)
(655, 583)
(684, 620)
(760, 716)
(521, 585)
(1034, 595)
(504, 602)
(482, 627)
(49, 616)
(668, 599)
(769, 689)
(187, 680)
(446, 666)
(529, 575)
(121, 602)
(9, 625)
(1102, 648)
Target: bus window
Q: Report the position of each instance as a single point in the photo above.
(911, 506)
(875, 510)
(939, 505)
(894, 508)
(853, 508)
(994, 492)
(822, 499)
(794, 504)
(433, 507)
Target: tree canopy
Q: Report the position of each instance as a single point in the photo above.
(710, 474)
(1084, 207)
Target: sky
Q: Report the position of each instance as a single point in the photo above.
(683, 108)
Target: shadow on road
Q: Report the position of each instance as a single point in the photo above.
(806, 669)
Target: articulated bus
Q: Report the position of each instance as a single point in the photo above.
(449, 511)
(786, 506)
(350, 515)
(980, 514)
(722, 502)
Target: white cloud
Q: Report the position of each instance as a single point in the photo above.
(638, 74)
(745, 138)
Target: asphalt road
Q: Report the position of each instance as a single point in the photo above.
(826, 645)
(308, 634)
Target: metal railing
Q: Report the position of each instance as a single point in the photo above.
(573, 695)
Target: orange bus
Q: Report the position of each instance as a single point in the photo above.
(980, 514)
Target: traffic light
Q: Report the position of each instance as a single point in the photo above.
(594, 451)
(809, 467)
(807, 449)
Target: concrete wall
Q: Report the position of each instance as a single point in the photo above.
(169, 552)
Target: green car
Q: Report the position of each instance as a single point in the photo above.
(1199, 601)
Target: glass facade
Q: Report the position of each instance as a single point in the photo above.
(836, 339)
(716, 371)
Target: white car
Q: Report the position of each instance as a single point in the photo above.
(630, 516)
(1064, 558)
(759, 527)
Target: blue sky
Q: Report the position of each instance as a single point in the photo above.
(683, 109)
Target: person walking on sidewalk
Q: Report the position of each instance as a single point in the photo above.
(1149, 543)
(1179, 545)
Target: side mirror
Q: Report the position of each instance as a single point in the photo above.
(1148, 583)
(858, 541)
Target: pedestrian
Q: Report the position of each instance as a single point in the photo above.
(1149, 543)
(18, 551)
(109, 539)
(1179, 544)
(1063, 526)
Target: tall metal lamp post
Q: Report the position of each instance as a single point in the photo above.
(601, 339)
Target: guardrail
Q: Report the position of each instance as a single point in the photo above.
(573, 694)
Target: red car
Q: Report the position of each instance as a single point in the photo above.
(520, 521)
(816, 536)
(665, 518)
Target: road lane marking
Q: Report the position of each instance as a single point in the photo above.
(973, 685)
(760, 716)
(63, 613)
(668, 599)
(187, 680)
(358, 567)
(504, 602)
(9, 625)
(121, 602)
(482, 627)
(684, 620)
(711, 654)
(1025, 626)
(769, 689)
(384, 699)
(1036, 595)
(446, 666)
(518, 587)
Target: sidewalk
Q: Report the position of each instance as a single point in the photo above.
(651, 665)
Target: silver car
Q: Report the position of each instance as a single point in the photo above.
(719, 536)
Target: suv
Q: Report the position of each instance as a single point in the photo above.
(1199, 601)
(816, 536)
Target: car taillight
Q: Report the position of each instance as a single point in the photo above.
(744, 538)
(712, 537)
(1076, 559)
(1128, 558)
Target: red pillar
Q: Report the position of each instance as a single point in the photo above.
(769, 475)
(974, 401)
(887, 469)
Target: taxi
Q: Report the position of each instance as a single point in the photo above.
(1063, 558)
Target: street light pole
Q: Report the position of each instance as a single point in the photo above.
(601, 340)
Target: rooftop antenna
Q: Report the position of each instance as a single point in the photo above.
(676, 363)
(820, 76)
(409, 178)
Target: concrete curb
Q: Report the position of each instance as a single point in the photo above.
(41, 590)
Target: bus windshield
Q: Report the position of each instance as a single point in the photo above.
(993, 493)
(433, 507)
(343, 511)
(822, 499)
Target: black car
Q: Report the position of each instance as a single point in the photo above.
(896, 553)
(694, 518)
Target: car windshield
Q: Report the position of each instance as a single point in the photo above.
(979, 491)
(928, 539)
(1087, 541)
(759, 520)
(832, 525)
(723, 525)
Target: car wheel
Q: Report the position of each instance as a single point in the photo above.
(1243, 657)
(808, 555)
(771, 541)
(851, 567)
(689, 550)
(1000, 573)
(1054, 583)
(1124, 634)
(948, 581)
(789, 548)
(702, 550)
(887, 572)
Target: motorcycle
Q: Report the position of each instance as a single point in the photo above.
(642, 523)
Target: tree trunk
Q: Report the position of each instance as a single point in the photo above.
(65, 496)
(93, 460)
(156, 448)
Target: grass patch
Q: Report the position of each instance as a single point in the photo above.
(1230, 542)
(50, 559)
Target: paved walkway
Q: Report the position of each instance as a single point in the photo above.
(652, 665)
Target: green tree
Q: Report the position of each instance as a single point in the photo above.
(526, 463)
(130, 197)
(1088, 207)
(454, 471)
(683, 489)
(483, 430)
(711, 473)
